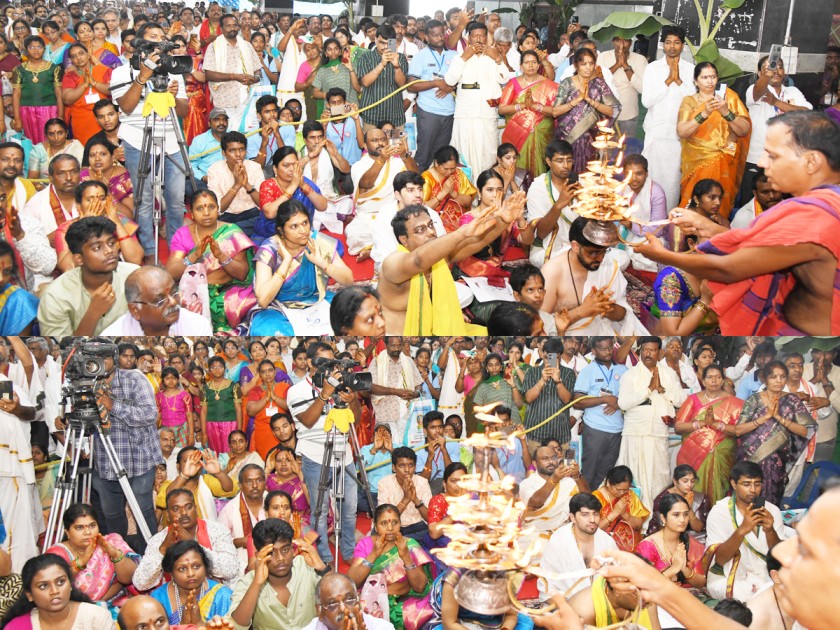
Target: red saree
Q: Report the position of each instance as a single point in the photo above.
(529, 131)
(195, 123)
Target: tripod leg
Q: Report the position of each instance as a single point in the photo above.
(122, 478)
(182, 146)
(361, 476)
(143, 166)
(65, 488)
(324, 481)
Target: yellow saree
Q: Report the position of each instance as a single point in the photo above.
(713, 152)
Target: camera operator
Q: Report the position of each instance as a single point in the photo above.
(132, 412)
(129, 89)
(310, 405)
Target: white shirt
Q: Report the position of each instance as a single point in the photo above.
(132, 125)
(627, 89)
(311, 441)
(744, 216)
(687, 374)
(827, 429)
(408, 49)
(663, 101)
(371, 623)
(761, 113)
(39, 208)
(484, 71)
(188, 323)
(384, 187)
(562, 555)
(538, 205)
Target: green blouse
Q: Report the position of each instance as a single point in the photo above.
(40, 92)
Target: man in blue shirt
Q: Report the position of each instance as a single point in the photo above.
(208, 141)
(345, 134)
(435, 100)
(514, 461)
(603, 421)
(751, 382)
(432, 460)
(374, 455)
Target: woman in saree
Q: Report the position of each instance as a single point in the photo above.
(234, 360)
(93, 200)
(283, 472)
(225, 251)
(487, 263)
(249, 378)
(278, 504)
(515, 178)
(706, 421)
(56, 47)
(83, 85)
(407, 569)
(307, 71)
(103, 50)
(191, 597)
(439, 508)
(293, 268)
(264, 400)
(8, 59)
(583, 100)
(527, 103)
(529, 41)
(195, 83)
(102, 566)
(622, 513)
(238, 455)
(685, 479)
(19, 32)
(773, 429)
(103, 168)
(221, 410)
(36, 92)
(287, 184)
(98, 54)
(671, 550)
(18, 307)
(446, 187)
(55, 142)
(715, 134)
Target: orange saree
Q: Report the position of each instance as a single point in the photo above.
(713, 152)
(450, 210)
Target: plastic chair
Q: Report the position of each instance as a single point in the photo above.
(809, 487)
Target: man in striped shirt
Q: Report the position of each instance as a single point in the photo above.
(382, 72)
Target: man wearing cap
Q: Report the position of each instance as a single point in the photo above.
(206, 149)
(376, 456)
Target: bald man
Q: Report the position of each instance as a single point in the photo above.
(154, 307)
(336, 597)
(143, 612)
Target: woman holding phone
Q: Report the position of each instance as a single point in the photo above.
(714, 126)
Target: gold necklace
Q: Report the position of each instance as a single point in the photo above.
(170, 407)
(224, 386)
(50, 153)
(35, 73)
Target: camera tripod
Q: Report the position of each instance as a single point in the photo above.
(152, 164)
(78, 433)
(332, 476)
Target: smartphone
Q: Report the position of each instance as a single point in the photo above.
(397, 137)
(574, 19)
(570, 457)
(6, 390)
(551, 359)
(720, 92)
(775, 57)
(471, 6)
(392, 45)
(337, 110)
(345, 55)
(572, 178)
(758, 503)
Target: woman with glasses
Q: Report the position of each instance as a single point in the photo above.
(102, 566)
(406, 569)
(447, 188)
(92, 199)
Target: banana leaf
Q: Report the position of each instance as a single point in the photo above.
(732, 4)
(803, 345)
(627, 24)
(727, 70)
(502, 10)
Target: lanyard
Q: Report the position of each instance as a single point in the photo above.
(340, 133)
(439, 63)
(607, 375)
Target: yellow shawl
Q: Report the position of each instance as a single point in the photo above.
(438, 312)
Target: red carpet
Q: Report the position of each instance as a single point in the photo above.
(362, 271)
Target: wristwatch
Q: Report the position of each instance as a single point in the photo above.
(251, 192)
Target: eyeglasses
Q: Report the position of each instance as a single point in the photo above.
(175, 295)
(349, 602)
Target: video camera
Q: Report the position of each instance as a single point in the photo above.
(167, 64)
(86, 372)
(349, 381)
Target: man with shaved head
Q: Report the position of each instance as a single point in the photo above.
(154, 308)
(143, 612)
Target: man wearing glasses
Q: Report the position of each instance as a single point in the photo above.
(154, 308)
(336, 598)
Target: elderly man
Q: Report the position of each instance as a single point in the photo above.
(373, 181)
(648, 394)
(46, 377)
(396, 382)
(56, 203)
(154, 308)
(335, 599)
(479, 74)
(249, 501)
(184, 524)
(112, 21)
(166, 437)
(230, 64)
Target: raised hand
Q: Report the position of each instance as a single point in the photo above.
(192, 465)
(310, 556)
(102, 299)
(261, 565)
(315, 257)
(170, 539)
(211, 463)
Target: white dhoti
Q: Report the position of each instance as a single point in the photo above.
(664, 159)
(477, 141)
(22, 518)
(648, 457)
